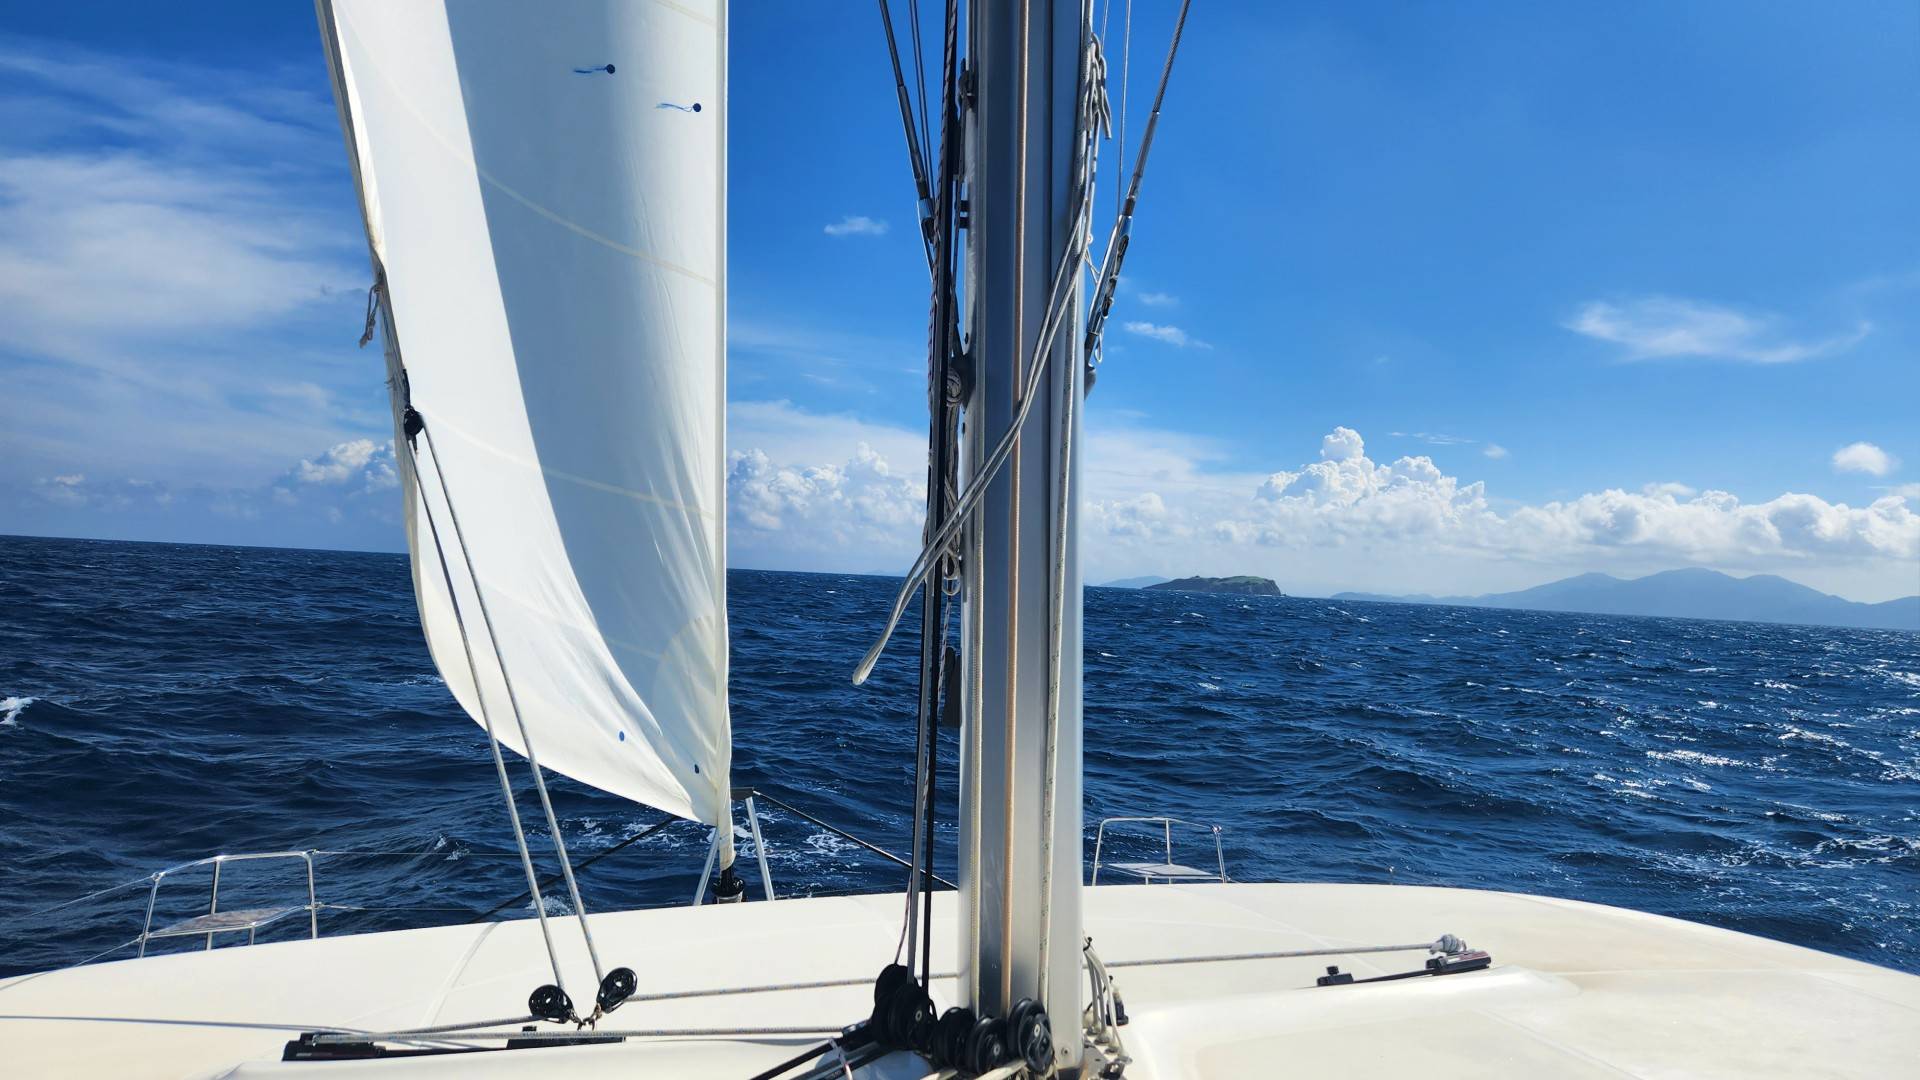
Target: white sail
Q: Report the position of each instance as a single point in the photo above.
(544, 192)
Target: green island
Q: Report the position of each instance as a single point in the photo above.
(1242, 585)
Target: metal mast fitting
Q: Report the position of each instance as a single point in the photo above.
(1020, 821)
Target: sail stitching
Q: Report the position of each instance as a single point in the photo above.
(573, 478)
(514, 194)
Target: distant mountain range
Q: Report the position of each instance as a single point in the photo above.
(1689, 594)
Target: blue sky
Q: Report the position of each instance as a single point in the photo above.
(1438, 297)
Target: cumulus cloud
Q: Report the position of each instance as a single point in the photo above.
(1658, 327)
(1864, 457)
(1348, 496)
(338, 464)
(1170, 335)
(1346, 520)
(856, 225)
(1142, 516)
(822, 492)
(858, 505)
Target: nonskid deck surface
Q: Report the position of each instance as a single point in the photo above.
(1575, 990)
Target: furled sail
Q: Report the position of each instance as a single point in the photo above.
(543, 187)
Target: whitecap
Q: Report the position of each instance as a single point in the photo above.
(1215, 687)
(13, 707)
(1694, 757)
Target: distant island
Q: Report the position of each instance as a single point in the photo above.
(1688, 594)
(1243, 585)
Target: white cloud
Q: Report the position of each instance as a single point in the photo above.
(1659, 327)
(1495, 451)
(1142, 516)
(1158, 299)
(853, 511)
(1346, 520)
(1864, 457)
(338, 464)
(1346, 494)
(68, 490)
(1171, 335)
(1433, 438)
(822, 492)
(856, 225)
(166, 234)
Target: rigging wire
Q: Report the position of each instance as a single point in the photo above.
(942, 340)
(920, 81)
(1116, 253)
(597, 856)
(1057, 303)
(513, 702)
(844, 835)
(486, 715)
(915, 159)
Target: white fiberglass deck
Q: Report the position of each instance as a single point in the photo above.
(1575, 990)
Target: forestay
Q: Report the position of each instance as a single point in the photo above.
(544, 193)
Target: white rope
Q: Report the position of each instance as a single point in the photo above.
(975, 491)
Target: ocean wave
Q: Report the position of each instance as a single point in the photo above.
(295, 706)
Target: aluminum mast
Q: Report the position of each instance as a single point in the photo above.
(1020, 817)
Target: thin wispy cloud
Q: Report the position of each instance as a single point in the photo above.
(1166, 334)
(1158, 299)
(1864, 457)
(856, 225)
(1432, 438)
(1664, 328)
(170, 238)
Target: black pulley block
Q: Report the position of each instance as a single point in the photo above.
(986, 1046)
(550, 1003)
(617, 987)
(909, 1014)
(892, 977)
(950, 1037)
(1030, 1035)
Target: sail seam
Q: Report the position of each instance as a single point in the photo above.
(446, 144)
(689, 13)
(446, 425)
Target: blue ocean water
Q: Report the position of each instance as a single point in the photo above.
(159, 703)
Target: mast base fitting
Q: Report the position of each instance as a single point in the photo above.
(552, 1004)
(728, 888)
(616, 988)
